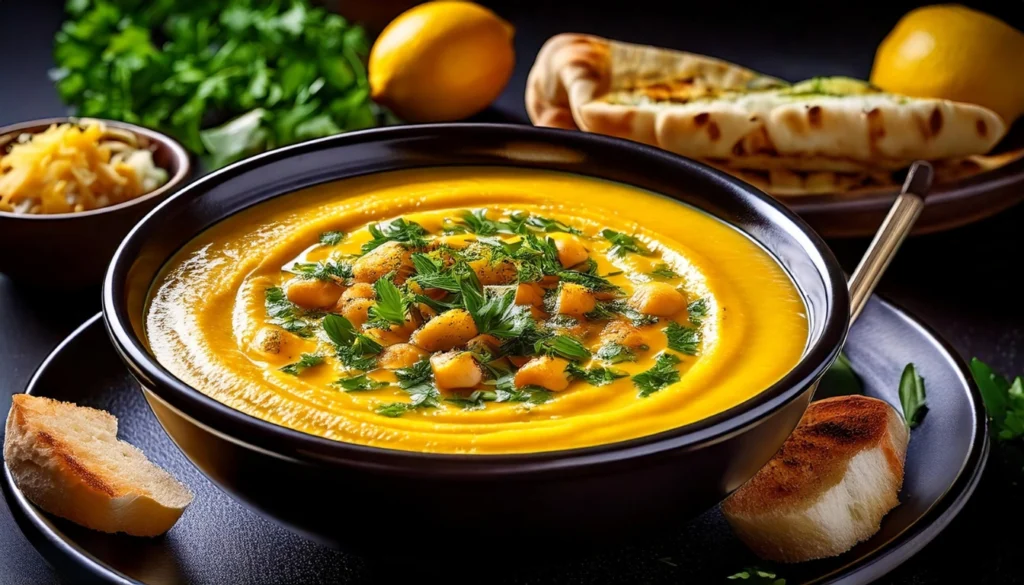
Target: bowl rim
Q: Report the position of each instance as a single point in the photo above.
(178, 152)
(283, 441)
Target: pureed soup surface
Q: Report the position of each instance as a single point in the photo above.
(476, 310)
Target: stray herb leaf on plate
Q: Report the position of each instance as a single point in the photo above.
(912, 396)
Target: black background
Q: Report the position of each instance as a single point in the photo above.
(962, 282)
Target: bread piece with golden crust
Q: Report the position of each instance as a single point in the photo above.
(829, 485)
(67, 460)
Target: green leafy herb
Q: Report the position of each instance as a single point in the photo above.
(390, 307)
(546, 224)
(284, 313)
(596, 375)
(663, 374)
(562, 346)
(359, 383)
(912, 396)
(839, 380)
(756, 576)
(325, 270)
(398, 230)
(623, 244)
(1003, 401)
(506, 391)
(496, 314)
(475, 400)
(476, 221)
(697, 310)
(306, 360)
(355, 350)
(665, 271)
(430, 274)
(604, 310)
(590, 281)
(614, 353)
(339, 329)
(331, 238)
(227, 79)
(682, 339)
(418, 381)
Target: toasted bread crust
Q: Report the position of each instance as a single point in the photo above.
(70, 480)
(815, 456)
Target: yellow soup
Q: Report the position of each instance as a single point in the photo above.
(476, 310)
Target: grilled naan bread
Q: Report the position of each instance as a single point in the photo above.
(740, 120)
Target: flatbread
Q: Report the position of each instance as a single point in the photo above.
(738, 119)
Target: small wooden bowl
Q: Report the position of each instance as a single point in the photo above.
(72, 250)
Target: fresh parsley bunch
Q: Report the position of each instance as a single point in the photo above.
(227, 78)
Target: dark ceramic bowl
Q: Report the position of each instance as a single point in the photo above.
(361, 497)
(80, 244)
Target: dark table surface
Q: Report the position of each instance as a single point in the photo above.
(958, 282)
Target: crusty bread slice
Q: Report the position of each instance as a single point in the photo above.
(67, 460)
(829, 485)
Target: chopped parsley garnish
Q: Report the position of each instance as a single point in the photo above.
(614, 353)
(355, 350)
(359, 383)
(590, 281)
(331, 238)
(623, 244)
(284, 313)
(476, 221)
(682, 339)
(390, 307)
(697, 311)
(912, 396)
(398, 230)
(430, 274)
(323, 270)
(596, 375)
(418, 381)
(306, 360)
(663, 374)
(496, 314)
(562, 321)
(562, 346)
(546, 224)
(610, 309)
(475, 400)
(665, 271)
(506, 391)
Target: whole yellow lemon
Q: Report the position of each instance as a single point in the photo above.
(441, 61)
(955, 53)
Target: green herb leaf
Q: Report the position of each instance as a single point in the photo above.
(391, 305)
(614, 353)
(495, 314)
(330, 270)
(398, 230)
(475, 400)
(306, 360)
(418, 381)
(284, 313)
(697, 311)
(592, 282)
(663, 270)
(360, 383)
(476, 221)
(756, 576)
(546, 224)
(562, 346)
(430, 274)
(662, 375)
(683, 339)
(912, 396)
(506, 391)
(596, 375)
(839, 380)
(623, 244)
(339, 329)
(331, 238)
(604, 310)
(394, 409)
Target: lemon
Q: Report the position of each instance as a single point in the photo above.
(955, 53)
(441, 61)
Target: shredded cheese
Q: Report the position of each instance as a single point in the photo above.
(75, 167)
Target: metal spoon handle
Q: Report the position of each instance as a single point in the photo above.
(894, 229)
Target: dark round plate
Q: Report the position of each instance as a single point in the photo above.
(219, 541)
